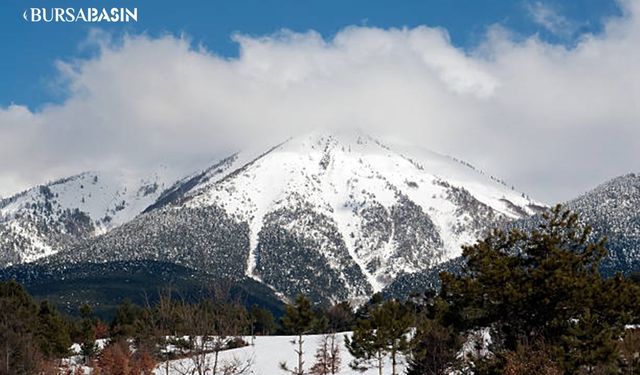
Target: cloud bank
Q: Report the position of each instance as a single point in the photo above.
(553, 121)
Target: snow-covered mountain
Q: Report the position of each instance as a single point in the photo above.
(392, 211)
(48, 218)
(612, 209)
(334, 216)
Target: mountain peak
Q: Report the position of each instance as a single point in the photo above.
(334, 214)
(353, 182)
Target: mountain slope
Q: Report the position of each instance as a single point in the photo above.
(393, 213)
(335, 216)
(105, 285)
(612, 209)
(48, 218)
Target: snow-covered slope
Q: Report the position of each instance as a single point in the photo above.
(332, 215)
(262, 357)
(267, 352)
(335, 216)
(392, 211)
(612, 210)
(48, 218)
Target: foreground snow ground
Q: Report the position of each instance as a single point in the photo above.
(267, 352)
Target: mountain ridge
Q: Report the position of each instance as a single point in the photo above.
(44, 219)
(333, 215)
(611, 209)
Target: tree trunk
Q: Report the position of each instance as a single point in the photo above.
(379, 363)
(300, 360)
(393, 362)
(201, 357)
(333, 353)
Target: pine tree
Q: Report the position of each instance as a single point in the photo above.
(543, 283)
(123, 324)
(88, 345)
(298, 319)
(53, 331)
(434, 349)
(20, 351)
(340, 317)
(383, 333)
(32, 336)
(262, 321)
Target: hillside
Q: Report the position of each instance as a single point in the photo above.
(334, 216)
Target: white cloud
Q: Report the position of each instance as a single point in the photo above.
(552, 121)
(549, 18)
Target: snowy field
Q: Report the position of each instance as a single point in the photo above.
(268, 352)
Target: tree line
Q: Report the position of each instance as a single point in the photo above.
(526, 302)
(35, 337)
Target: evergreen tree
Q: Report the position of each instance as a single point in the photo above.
(88, 345)
(434, 349)
(124, 322)
(31, 335)
(340, 317)
(18, 321)
(382, 333)
(543, 283)
(299, 319)
(262, 321)
(53, 331)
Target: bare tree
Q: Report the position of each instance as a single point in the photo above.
(212, 326)
(327, 356)
(299, 369)
(165, 311)
(236, 366)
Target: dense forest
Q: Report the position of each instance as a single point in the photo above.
(525, 302)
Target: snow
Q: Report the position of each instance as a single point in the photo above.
(477, 344)
(38, 247)
(269, 351)
(265, 353)
(100, 344)
(337, 173)
(75, 361)
(96, 194)
(486, 189)
(108, 199)
(355, 182)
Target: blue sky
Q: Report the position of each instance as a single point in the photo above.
(29, 76)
